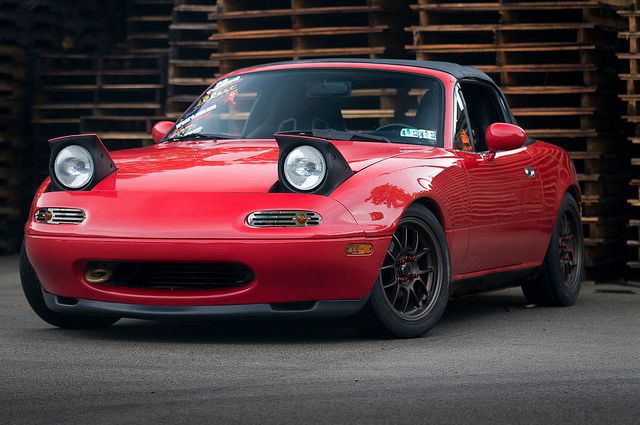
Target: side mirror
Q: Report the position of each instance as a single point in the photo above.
(160, 129)
(504, 137)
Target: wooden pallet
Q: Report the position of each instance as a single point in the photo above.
(190, 68)
(118, 97)
(148, 26)
(12, 146)
(552, 59)
(631, 96)
(255, 32)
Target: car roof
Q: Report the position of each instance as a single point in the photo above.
(454, 69)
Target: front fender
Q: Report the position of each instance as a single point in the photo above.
(378, 196)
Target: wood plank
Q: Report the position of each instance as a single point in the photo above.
(501, 27)
(269, 13)
(337, 51)
(552, 111)
(496, 6)
(507, 47)
(299, 32)
(548, 90)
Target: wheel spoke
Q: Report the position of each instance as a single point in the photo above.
(429, 269)
(406, 301)
(406, 238)
(395, 295)
(390, 284)
(422, 253)
(417, 244)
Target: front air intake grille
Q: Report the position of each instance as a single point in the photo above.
(60, 215)
(180, 275)
(284, 219)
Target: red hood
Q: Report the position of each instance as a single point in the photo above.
(225, 166)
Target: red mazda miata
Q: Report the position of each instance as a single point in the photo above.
(323, 188)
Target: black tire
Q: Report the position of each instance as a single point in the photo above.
(558, 283)
(33, 292)
(428, 266)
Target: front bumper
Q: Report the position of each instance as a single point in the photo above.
(286, 271)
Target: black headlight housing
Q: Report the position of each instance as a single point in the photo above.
(103, 164)
(337, 168)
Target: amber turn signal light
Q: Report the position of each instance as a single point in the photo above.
(358, 249)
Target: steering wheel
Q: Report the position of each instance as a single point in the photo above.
(388, 127)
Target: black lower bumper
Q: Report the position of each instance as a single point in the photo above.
(317, 309)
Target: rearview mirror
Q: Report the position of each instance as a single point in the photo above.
(160, 129)
(504, 137)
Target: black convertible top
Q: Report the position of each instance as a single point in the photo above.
(458, 71)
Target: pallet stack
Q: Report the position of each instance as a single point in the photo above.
(190, 68)
(252, 32)
(631, 96)
(12, 145)
(119, 97)
(555, 61)
(148, 26)
(46, 25)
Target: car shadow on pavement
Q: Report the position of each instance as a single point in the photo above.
(460, 313)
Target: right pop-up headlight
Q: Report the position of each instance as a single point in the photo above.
(78, 162)
(73, 167)
(309, 165)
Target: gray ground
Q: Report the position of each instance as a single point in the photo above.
(490, 360)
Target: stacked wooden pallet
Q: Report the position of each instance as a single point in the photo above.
(631, 95)
(553, 60)
(42, 25)
(190, 68)
(148, 26)
(257, 32)
(12, 76)
(117, 97)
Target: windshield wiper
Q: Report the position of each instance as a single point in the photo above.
(199, 136)
(339, 135)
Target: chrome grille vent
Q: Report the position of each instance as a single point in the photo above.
(60, 216)
(287, 218)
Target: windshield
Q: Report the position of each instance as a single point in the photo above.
(395, 107)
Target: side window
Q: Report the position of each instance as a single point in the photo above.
(483, 108)
(462, 136)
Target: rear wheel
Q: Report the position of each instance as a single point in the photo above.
(33, 291)
(411, 291)
(559, 280)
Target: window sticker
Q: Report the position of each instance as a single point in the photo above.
(225, 82)
(196, 116)
(418, 133)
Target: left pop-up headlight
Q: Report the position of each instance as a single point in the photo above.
(78, 162)
(310, 165)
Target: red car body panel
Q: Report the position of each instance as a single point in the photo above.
(189, 201)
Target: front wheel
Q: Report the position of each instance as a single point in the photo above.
(412, 288)
(33, 292)
(558, 283)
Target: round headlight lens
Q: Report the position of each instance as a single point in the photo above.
(73, 166)
(305, 168)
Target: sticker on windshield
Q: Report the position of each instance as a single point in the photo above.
(225, 82)
(196, 115)
(418, 133)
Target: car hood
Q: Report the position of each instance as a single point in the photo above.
(248, 166)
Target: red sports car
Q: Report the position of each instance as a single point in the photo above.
(323, 188)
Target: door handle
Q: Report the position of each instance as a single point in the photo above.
(530, 172)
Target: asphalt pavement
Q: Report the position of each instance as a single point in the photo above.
(490, 360)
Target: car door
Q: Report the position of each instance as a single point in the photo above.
(505, 192)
